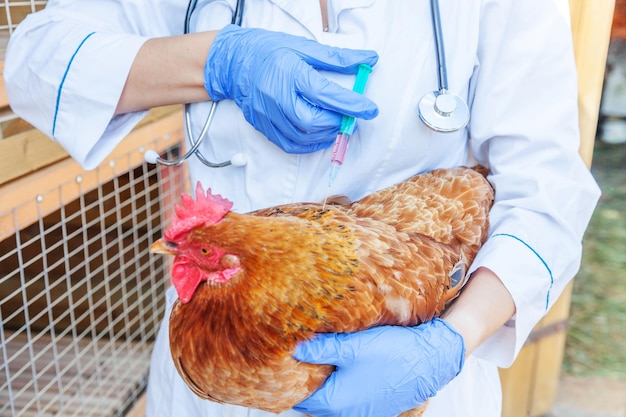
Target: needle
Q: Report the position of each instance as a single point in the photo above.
(347, 127)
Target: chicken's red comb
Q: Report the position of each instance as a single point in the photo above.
(205, 210)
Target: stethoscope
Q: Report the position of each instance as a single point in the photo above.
(439, 110)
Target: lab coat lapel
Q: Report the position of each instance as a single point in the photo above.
(307, 12)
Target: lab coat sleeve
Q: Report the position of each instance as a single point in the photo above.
(525, 128)
(66, 67)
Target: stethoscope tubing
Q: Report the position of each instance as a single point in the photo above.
(439, 46)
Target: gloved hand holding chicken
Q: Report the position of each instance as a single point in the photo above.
(273, 77)
(382, 371)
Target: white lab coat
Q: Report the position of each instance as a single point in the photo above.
(511, 60)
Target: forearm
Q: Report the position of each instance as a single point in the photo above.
(482, 308)
(167, 70)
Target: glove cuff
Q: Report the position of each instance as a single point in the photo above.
(217, 69)
(455, 341)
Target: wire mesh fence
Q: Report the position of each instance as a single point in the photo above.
(81, 297)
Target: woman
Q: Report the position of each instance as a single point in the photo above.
(96, 65)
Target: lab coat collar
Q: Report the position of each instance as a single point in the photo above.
(308, 15)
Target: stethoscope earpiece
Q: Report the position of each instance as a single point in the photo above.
(151, 156)
(239, 160)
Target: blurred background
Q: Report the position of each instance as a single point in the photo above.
(594, 365)
(596, 339)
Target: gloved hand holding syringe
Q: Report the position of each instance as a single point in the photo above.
(347, 127)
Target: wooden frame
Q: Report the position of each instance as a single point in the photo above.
(160, 131)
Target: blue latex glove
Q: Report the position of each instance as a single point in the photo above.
(382, 371)
(273, 78)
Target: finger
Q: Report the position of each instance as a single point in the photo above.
(306, 123)
(319, 402)
(313, 125)
(292, 147)
(343, 60)
(325, 348)
(321, 92)
(295, 141)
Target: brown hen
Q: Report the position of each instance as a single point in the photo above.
(251, 286)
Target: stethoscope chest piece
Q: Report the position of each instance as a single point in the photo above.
(440, 110)
(443, 112)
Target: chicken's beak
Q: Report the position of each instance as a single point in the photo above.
(161, 246)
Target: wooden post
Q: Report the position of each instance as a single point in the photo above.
(591, 29)
(530, 385)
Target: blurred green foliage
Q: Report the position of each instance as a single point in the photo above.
(596, 337)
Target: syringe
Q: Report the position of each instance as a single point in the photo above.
(347, 127)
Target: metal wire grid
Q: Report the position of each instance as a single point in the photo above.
(13, 12)
(81, 298)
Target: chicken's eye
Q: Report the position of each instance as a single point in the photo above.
(205, 251)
